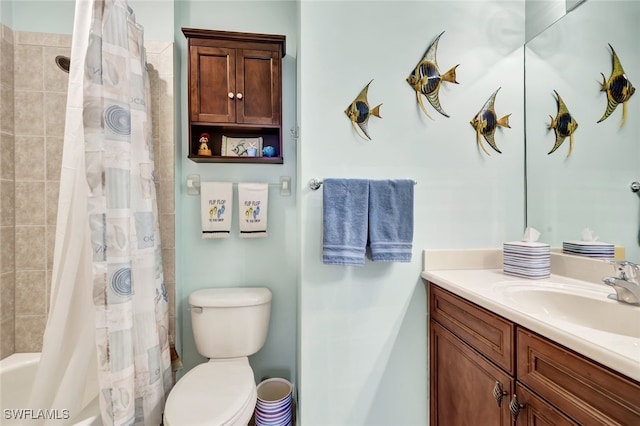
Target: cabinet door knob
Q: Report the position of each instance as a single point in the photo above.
(515, 407)
(239, 95)
(499, 393)
(230, 94)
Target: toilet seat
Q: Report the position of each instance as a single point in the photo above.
(220, 392)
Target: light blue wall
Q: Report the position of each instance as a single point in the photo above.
(6, 12)
(363, 347)
(56, 16)
(43, 16)
(361, 331)
(270, 261)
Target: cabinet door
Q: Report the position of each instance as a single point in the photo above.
(258, 81)
(212, 84)
(536, 412)
(462, 384)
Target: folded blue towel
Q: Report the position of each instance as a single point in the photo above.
(345, 204)
(391, 220)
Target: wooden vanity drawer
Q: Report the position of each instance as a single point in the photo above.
(486, 332)
(587, 392)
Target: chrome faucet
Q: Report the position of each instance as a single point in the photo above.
(626, 284)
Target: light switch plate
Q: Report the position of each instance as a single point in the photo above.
(285, 186)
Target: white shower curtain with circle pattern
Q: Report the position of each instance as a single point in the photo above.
(130, 298)
(107, 329)
(67, 376)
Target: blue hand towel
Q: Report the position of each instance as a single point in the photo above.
(345, 204)
(391, 220)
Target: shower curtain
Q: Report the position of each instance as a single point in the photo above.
(109, 307)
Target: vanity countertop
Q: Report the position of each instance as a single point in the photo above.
(481, 286)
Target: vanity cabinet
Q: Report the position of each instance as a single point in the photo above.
(483, 367)
(235, 91)
(587, 392)
(463, 381)
(536, 412)
(471, 358)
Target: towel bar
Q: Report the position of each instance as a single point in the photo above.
(317, 183)
(193, 185)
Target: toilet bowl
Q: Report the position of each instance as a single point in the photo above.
(219, 392)
(229, 324)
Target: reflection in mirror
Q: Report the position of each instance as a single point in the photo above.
(572, 4)
(592, 187)
(540, 14)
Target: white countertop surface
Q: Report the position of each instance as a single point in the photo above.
(618, 352)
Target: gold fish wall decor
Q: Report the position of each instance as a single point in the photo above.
(359, 112)
(564, 125)
(426, 78)
(486, 122)
(619, 89)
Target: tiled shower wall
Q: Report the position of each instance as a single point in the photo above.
(38, 109)
(7, 183)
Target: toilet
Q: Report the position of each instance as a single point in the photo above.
(229, 324)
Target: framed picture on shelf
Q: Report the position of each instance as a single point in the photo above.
(241, 147)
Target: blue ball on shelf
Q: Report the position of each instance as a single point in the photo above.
(268, 151)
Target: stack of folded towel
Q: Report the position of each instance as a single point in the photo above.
(358, 210)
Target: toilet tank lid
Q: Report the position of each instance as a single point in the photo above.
(230, 297)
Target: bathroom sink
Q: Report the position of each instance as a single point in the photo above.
(584, 306)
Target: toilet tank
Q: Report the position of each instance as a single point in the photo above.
(230, 322)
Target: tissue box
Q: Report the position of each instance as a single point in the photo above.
(527, 259)
(593, 249)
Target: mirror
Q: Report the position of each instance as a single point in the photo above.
(541, 14)
(592, 187)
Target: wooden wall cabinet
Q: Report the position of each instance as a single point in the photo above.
(483, 367)
(235, 90)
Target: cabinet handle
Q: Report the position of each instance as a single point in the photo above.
(239, 95)
(230, 94)
(499, 393)
(515, 407)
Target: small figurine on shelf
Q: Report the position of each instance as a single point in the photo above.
(268, 151)
(204, 147)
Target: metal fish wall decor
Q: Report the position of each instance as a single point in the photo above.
(426, 78)
(564, 125)
(359, 112)
(619, 89)
(486, 122)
